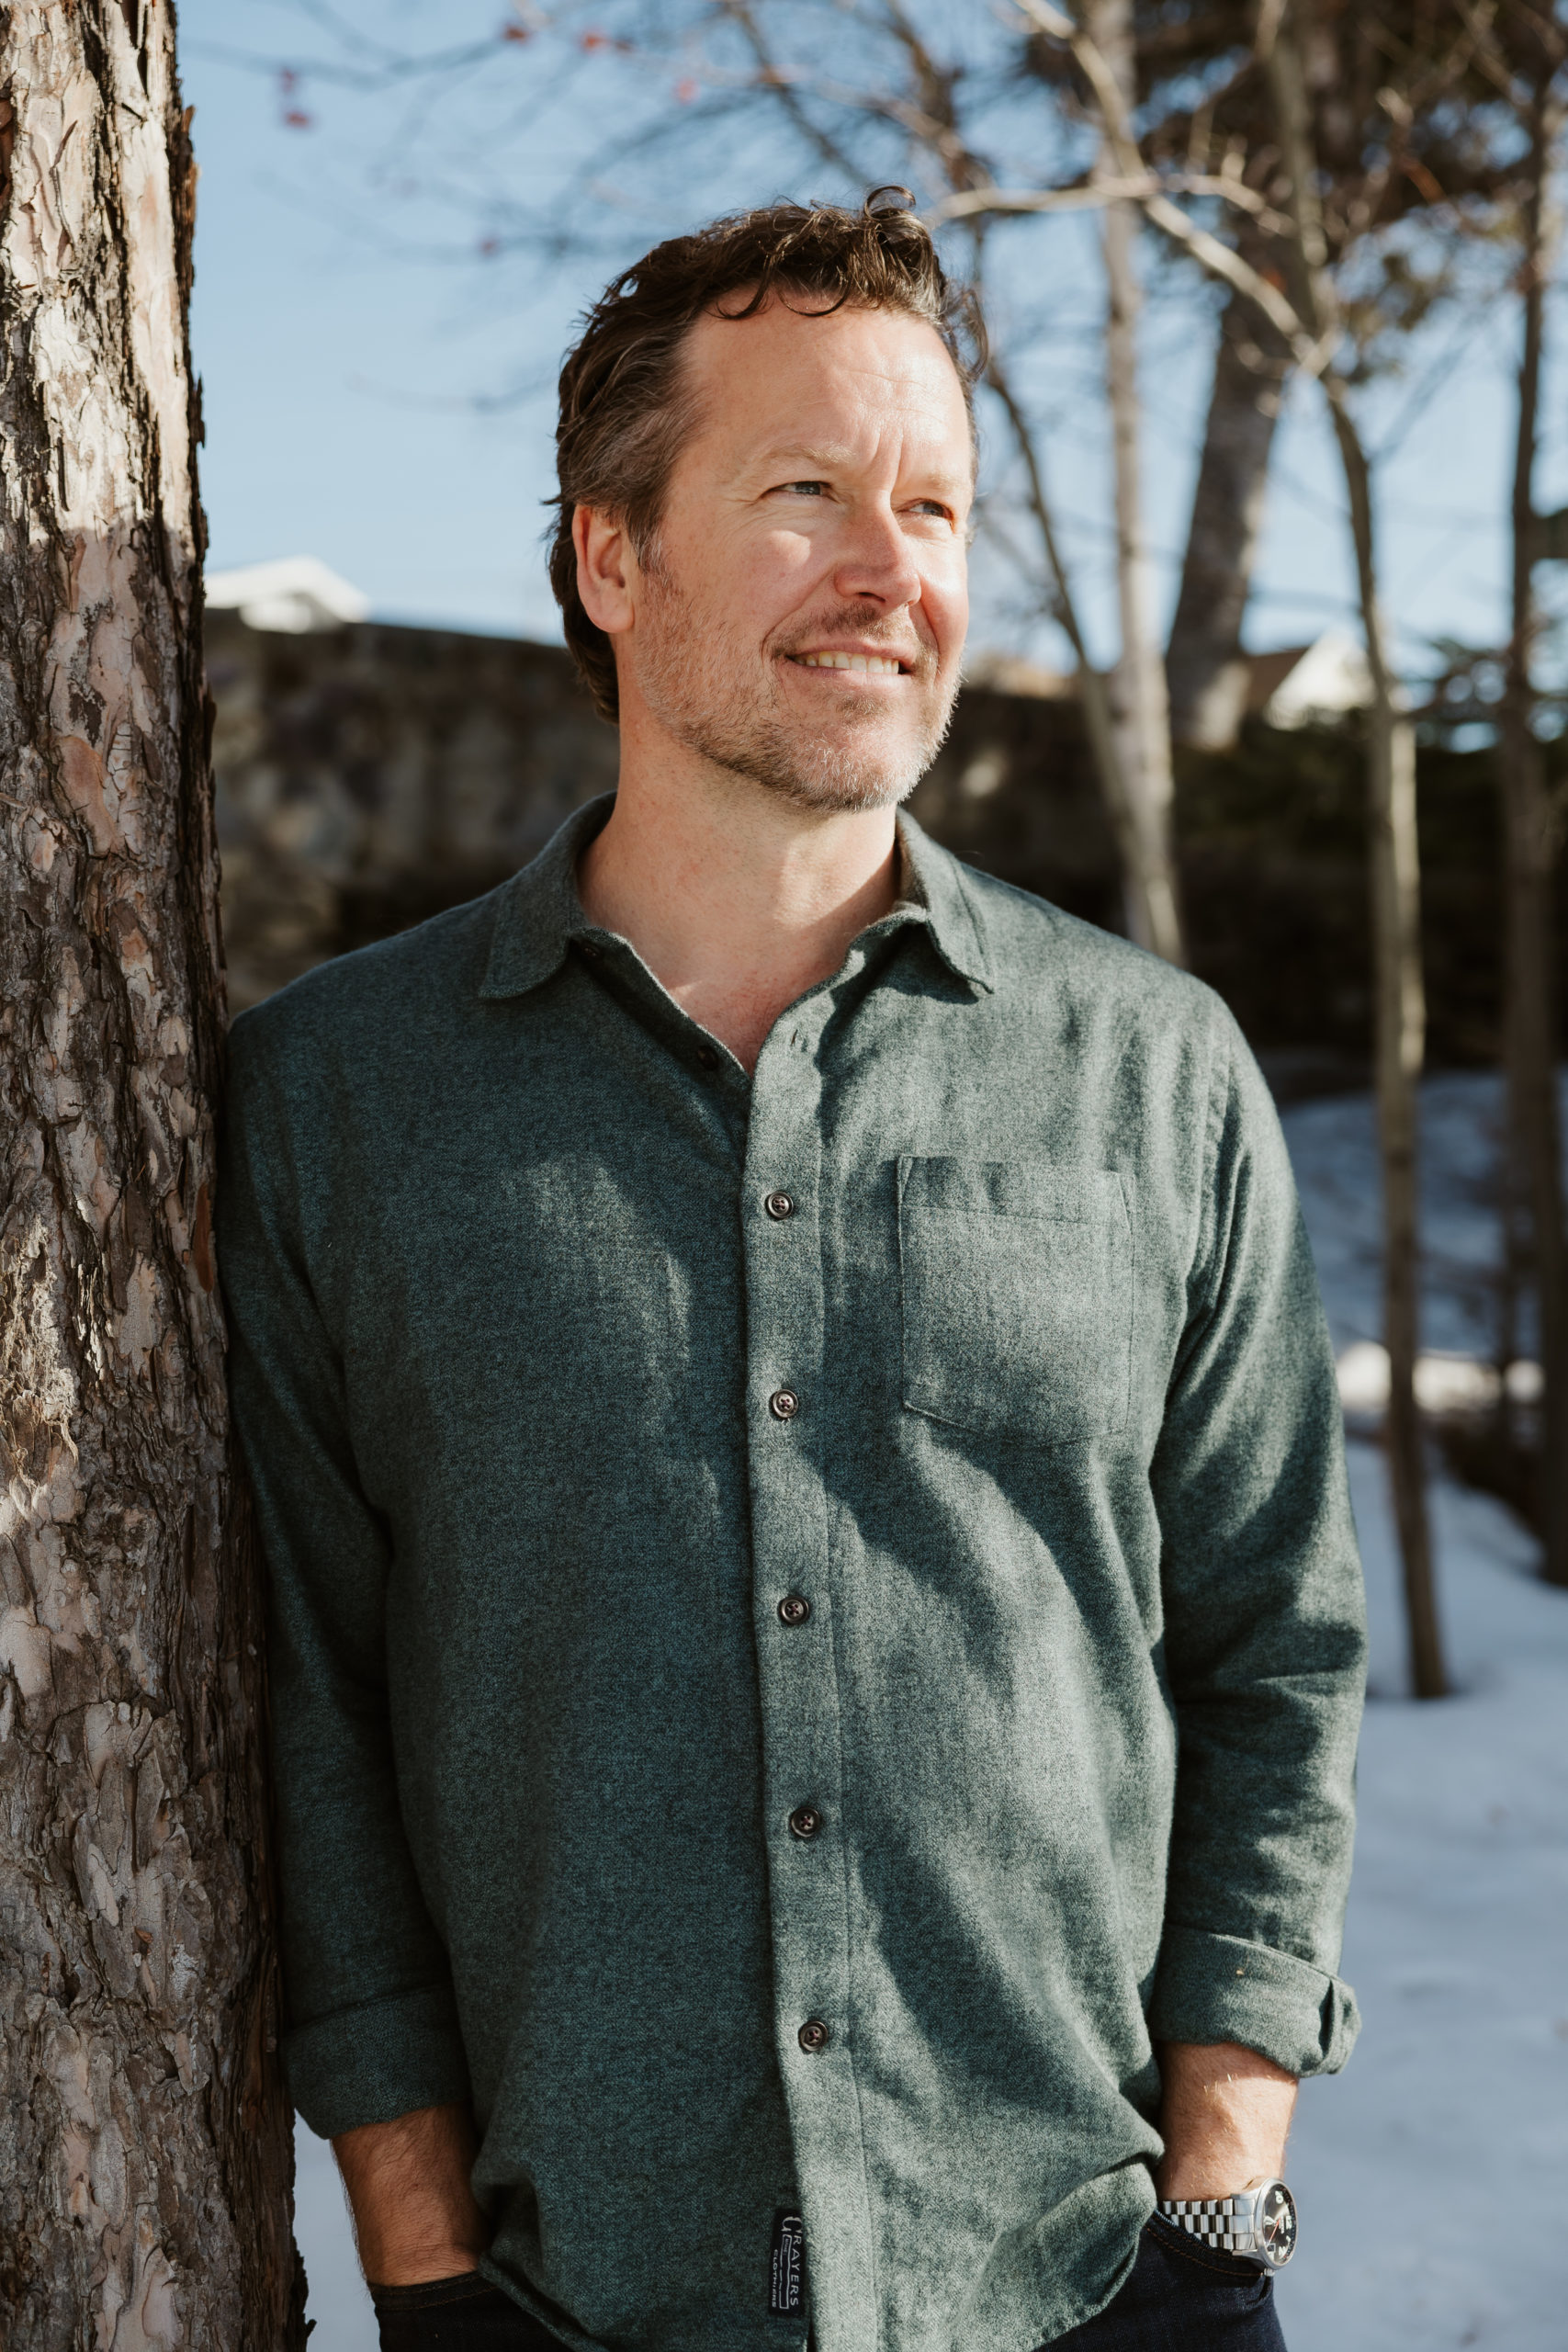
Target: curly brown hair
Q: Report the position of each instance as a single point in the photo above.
(624, 413)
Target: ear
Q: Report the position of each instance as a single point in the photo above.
(607, 570)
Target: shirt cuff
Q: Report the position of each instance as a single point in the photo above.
(377, 2060)
(1223, 1988)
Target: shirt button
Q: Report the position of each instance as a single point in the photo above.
(784, 1404)
(586, 947)
(779, 1205)
(813, 2036)
(794, 1608)
(706, 1057)
(805, 1821)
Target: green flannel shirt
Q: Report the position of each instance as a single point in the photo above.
(812, 1614)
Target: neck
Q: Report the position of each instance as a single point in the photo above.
(737, 901)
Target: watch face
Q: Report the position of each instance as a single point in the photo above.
(1277, 2224)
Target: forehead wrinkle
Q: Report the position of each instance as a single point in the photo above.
(882, 391)
(806, 453)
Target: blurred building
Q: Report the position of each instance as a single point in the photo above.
(1308, 685)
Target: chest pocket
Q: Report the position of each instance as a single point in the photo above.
(1018, 1296)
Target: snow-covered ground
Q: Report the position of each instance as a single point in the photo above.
(1333, 1151)
(1433, 2172)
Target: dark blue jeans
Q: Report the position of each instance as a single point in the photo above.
(1180, 2298)
(1183, 2297)
(465, 2314)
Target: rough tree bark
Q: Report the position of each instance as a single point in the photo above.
(1205, 669)
(145, 2166)
(1399, 996)
(1529, 827)
(1142, 710)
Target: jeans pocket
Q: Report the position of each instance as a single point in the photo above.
(1209, 2263)
(461, 2315)
(463, 2287)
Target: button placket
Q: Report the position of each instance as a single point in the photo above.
(803, 1765)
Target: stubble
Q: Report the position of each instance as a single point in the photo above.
(857, 756)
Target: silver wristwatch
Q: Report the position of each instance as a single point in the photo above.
(1258, 2223)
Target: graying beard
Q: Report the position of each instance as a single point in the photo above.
(823, 779)
(826, 779)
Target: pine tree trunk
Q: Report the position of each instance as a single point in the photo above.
(145, 2165)
(1529, 855)
(1206, 668)
(1141, 712)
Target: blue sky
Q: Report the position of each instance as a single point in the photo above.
(379, 394)
(338, 374)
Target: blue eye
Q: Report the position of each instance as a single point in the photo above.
(804, 489)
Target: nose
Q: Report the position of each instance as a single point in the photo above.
(876, 565)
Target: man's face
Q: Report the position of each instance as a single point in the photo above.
(800, 618)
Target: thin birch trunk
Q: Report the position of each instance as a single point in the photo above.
(1530, 846)
(1099, 724)
(1399, 995)
(1141, 708)
(145, 2164)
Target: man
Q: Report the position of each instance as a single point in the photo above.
(816, 1619)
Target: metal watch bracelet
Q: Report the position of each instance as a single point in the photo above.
(1257, 2222)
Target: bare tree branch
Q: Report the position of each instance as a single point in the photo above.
(967, 204)
(1311, 353)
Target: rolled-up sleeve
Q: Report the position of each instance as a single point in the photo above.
(372, 2029)
(1264, 1617)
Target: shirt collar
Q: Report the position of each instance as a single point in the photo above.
(539, 913)
(957, 930)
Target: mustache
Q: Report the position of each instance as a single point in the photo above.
(862, 620)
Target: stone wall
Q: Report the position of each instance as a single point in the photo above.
(368, 776)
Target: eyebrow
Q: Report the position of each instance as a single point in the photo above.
(826, 456)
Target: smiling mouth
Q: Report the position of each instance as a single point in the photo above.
(875, 666)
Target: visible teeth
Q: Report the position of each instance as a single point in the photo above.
(880, 665)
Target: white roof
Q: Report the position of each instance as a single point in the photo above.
(1330, 678)
(296, 593)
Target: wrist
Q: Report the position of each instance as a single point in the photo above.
(403, 2268)
(415, 2218)
(1225, 2117)
(1211, 2173)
